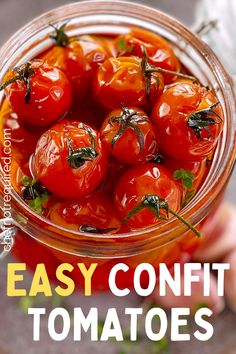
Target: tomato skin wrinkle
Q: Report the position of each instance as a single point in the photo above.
(50, 96)
(120, 82)
(95, 210)
(159, 51)
(51, 165)
(79, 59)
(142, 180)
(129, 135)
(171, 115)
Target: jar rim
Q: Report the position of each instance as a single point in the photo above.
(199, 205)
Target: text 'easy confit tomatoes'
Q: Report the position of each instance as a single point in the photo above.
(69, 160)
(189, 120)
(38, 93)
(129, 135)
(140, 182)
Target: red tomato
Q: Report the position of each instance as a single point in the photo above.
(188, 120)
(129, 135)
(69, 160)
(41, 94)
(93, 214)
(71, 61)
(77, 57)
(140, 181)
(122, 82)
(158, 50)
(94, 49)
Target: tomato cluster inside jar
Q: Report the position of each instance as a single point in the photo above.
(110, 135)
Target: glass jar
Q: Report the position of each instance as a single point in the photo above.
(38, 240)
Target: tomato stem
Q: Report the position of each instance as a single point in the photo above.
(165, 71)
(77, 158)
(59, 36)
(148, 70)
(184, 221)
(24, 72)
(155, 204)
(128, 119)
(206, 27)
(200, 120)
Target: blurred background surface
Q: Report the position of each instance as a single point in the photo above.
(15, 326)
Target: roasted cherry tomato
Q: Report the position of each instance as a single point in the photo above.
(189, 120)
(69, 160)
(77, 57)
(158, 50)
(124, 81)
(93, 214)
(94, 49)
(71, 61)
(129, 135)
(38, 93)
(146, 183)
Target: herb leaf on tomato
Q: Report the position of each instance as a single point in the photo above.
(185, 176)
(35, 193)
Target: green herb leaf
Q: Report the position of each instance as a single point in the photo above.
(130, 49)
(26, 302)
(37, 203)
(185, 176)
(190, 194)
(26, 181)
(161, 347)
(123, 48)
(121, 44)
(35, 193)
(200, 306)
(100, 327)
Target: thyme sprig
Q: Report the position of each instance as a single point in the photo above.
(202, 120)
(77, 158)
(128, 119)
(156, 204)
(23, 73)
